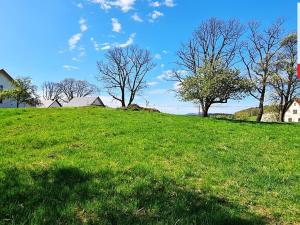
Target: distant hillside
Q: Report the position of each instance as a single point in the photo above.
(251, 113)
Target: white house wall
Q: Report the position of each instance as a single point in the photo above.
(7, 85)
(293, 113)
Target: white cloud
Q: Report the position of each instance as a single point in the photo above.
(155, 15)
(154, 4)
(182, 72)
(95, 43)
(104, 4)
(157, 56)
(75, 59)
(128, 42)
(162, 65)
(165, 75)
(124, 5)
(169, 3)
(80, 5)
(116, 26)
(83, 25)
(74, 40)
(81, 52)
(136, 17)
(176, 86)
(153, 83)
(106, 46)
(68, 67)
(165, 51)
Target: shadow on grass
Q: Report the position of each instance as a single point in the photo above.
(71, 196)
(254, 122)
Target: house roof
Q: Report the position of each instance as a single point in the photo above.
(48, 103)
(83, 101)
(2, 71)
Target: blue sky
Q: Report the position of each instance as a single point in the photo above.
(54, 39)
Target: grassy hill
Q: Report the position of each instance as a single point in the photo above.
(105, 166)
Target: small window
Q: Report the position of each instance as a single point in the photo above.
(299, 120)
(294, 104)
(290, 120)
(295, 111)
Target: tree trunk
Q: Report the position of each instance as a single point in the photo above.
(284, 109)
(123, 98)
(205, 109)
(260, 110)
(281, 116)
(205, 113)
(261, 104)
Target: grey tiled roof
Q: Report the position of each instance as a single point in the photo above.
(84, 101)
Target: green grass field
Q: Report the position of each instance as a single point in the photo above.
(105, 166)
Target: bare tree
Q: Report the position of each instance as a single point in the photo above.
(51, 90)
(214, 45)
(285, 83)
(258, 55)
(123, 73)
(67, 89)
(84, 88)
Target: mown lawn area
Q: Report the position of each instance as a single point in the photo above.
(106, 166)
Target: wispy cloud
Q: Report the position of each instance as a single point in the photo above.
(105, 46)
(136, 17)
(165, 75)
(153, 83)
(157, 56)
(104, 4)
(74, 40)
(81, 53)
(128, 42)
(76, 37)
(95, 44)
(116, 25)
(79, 5)
(155, 4)
(69, 67)
(169, 3)
(124, 5)
(176, 86)
(155, 15)
(83, 25)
